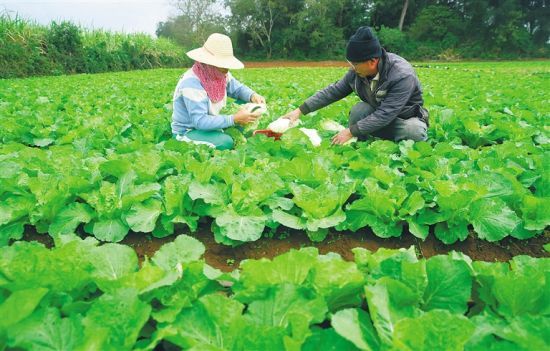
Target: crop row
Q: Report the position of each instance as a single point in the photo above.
(266, 184)
(96, 151)
(82, 296)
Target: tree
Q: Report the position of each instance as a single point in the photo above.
(536, 14)
(196, 20)
(506, 29)
(354, 14)
(320, 28)
(389, 13)
(262, 21)
(436, 22)
(317, 30)
(403, 14)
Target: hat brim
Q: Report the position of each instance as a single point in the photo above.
(203, 56)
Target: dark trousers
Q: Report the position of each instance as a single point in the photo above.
(400, 129)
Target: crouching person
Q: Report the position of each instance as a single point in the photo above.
(391, 104)
(202, 92)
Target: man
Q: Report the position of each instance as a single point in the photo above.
(391, 104)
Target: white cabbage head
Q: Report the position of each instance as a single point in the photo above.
(313, 136)
(281, 125)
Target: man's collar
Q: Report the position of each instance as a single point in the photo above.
(382, 65)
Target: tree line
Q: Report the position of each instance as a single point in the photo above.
(416, 29)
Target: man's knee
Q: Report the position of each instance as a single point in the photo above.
(412, 129)
(359, 111)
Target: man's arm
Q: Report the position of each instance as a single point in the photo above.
(330, 94)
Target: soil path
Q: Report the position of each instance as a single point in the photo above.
(228, 258)
(280, 64)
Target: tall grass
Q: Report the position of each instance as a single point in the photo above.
(29, 49)
(22, 48)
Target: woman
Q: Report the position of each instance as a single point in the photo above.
(202, 92)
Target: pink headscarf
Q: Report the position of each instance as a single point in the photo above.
(212, 80)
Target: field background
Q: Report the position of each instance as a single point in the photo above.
(59, 129)
(115, 236)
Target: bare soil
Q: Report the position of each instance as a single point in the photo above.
(228, 258)
(343, 63)
(276, 64)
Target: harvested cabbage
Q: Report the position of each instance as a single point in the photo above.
(331, 126)
(313, 136)
(351, 141)
(280, 125)
(256, 108)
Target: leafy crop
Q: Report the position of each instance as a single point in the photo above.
(95, 152)
(82, 296)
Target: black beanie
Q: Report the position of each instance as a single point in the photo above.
(363, 45)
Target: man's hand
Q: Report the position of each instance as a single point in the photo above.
(342, 137)
(244, 117)
(293, 115)
(257, 99)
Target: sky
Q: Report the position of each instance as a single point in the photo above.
(127, 16)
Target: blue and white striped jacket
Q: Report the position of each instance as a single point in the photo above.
(194, 110)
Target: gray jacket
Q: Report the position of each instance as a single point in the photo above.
(398, 94)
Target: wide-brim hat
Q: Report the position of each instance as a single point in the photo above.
(216, 51)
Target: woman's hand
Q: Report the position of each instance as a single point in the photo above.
(293, 115)
(257, 99)
(244, 117)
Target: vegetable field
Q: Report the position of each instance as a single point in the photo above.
(92, 155)
(95, 151)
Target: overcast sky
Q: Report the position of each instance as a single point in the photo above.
(118, 15)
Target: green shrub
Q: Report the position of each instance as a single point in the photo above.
(396, 41)
(64, 45)
(29, 49)
(436, 23)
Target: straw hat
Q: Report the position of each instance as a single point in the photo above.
(216, 51)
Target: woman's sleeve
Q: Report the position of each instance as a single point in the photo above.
(196, 103)
(238, 90)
